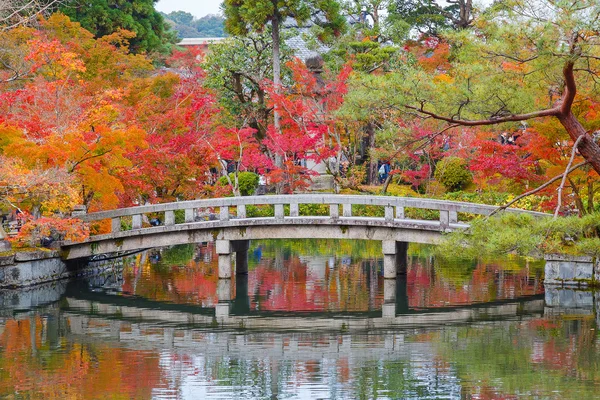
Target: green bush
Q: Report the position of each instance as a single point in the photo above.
(363, 210)
(401, 191)
(179, 216)
(247, 181)
(490, 198)
(261, 211)
(313, 209)
(525, 234)
(452, 172)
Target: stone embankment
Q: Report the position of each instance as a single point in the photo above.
(36, 266)
(572, 271)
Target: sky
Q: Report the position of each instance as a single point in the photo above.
(198, 8)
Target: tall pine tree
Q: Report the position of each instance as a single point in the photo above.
(103, 17)
(244, 16)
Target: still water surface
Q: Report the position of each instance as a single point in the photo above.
(311, 320)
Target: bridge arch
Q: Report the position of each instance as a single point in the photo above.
(231, 223)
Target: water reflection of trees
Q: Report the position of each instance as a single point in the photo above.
(311, 275)
(38, 361)
(550, 357)
(435, 284)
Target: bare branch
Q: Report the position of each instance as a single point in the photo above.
(564, 175)
(538, 189)
(14, 13)
(491, 121)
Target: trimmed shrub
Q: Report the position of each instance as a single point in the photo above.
(248, 182)
(452, 172)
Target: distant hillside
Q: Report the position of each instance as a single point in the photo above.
(187, 26)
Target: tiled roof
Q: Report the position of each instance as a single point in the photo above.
(199, 41)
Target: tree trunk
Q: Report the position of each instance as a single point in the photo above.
(386, 184)
(578, 201)
(276, 68)
(590, 187)
(587, 147)
(277, 84)
(372, 172)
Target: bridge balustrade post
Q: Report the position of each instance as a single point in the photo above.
(347, 210)
(241, 211)
(389, 213)
(453, 216)
(115, 224)
(444, 220)
(136, 221)
(169, 218)
(400, 212)
(294, 210)
(279, 212)
(334, 211)
(189, 215)
(224, 213)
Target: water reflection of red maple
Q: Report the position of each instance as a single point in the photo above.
(488, 282)
(326, 284)
(31, 365)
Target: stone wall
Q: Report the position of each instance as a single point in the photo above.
(28, 268)
(571, 271)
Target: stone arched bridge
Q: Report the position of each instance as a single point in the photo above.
(231, 222)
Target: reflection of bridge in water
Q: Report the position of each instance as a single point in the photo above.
(144, 324)
(235, 312)
(191, 355)
(393, 223)
(92, 316)
(233, 329)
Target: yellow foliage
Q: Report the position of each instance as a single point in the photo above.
(47, 190)
(443, 78)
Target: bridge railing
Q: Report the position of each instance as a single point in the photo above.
(394, 209)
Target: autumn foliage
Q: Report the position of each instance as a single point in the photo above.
(83, 120)
(48, 229)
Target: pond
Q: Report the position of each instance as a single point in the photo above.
(311, 320)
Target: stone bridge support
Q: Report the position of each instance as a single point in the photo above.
(389, 298)
(395, 258)
(224, 297)
(224, 250)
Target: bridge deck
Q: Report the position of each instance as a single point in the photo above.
(390, 224)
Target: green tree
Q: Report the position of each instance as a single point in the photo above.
(210, 26)
(181, 17)
(367, 44)
(427, 16)
(245, 16)
(545, 64)
(103, 17)
(236, 68)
